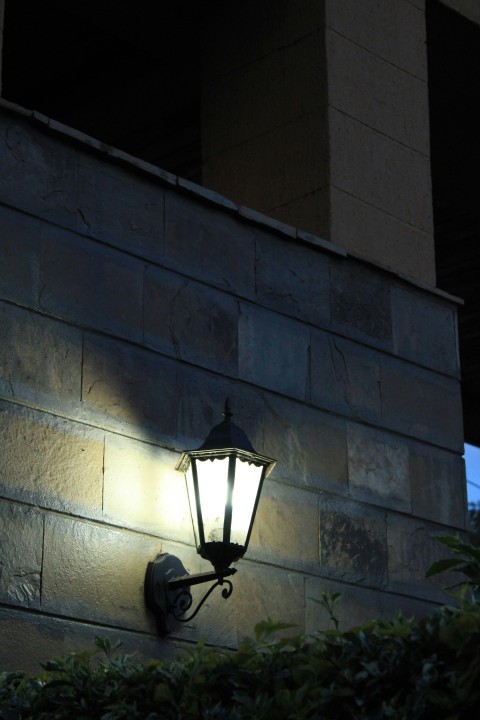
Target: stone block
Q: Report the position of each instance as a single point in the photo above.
(345, 377)
(273, 351)
(438, 486)
(412, 549)
(258, 174)
(96, 573)
(310, 446)
(378, 468)
(19, 257)
(91, 285)
(421, 404)
(265, 592)
(357, 225)
(191, 321)
(142, 489)
(356, 605)
(40, 358)
(393, 30)
(353, 543)
(360, 303)
(250, 100)
(21, 530)
(124, 385)
(120, 207)
(38, 172)
(380, 171)
(377, 93)
(29, 640)
(208, 244)
(425, 330)
(293, 279)
(50, 462)
(285, 531)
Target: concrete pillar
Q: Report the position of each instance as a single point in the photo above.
(2, 13)
(316, 113)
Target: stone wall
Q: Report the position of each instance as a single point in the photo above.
(131, 304)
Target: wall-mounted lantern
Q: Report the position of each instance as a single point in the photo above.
(224, 480)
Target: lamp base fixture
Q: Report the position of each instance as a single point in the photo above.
(167, 589)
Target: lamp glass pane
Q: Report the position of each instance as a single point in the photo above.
(247, 480)
(191, 500)
(212, 484)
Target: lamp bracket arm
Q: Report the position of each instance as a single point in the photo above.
(188, 580)
(183, 601)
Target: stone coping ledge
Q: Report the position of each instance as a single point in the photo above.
(212, 197)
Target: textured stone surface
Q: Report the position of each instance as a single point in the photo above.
(345, 377)
(96, 573)
(92, 285)
(378, 468)
(286, 527)
(40, 359)
(191, 321)
(412, 548)
(272, 351)
(207, 243)
(29, 640)
(422, 404)
(293, 279)
(353, 542)
(49, 461)
(126, 385)
(262, 592)
(310, 212)
(21, 530)
(361, 303)
(310, 446)
(143, 490)
(438, 486)
(425, 331)
(18, 257)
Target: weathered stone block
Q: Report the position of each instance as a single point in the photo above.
(142, 489)
(38, 175)
(310, 212)
(353, 544)
(345, 377)
(421, 404)
(18, 257)
(357, 225)
(438, 486)
(385, 174)
(49, 461)
(310, 447)
(360, 303)
(96, 573)
(21, 530)
(40, 359)
(425, 330)
(92, 285)
(29, 640)
(206, 243)
(266, 592)
(378, 94)
(412, 548)
(286, 527)
(293, 279)
(378, 468)
(273, 351)
(120, 207)
(393, 30)
(190, 321)
(126, 385)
